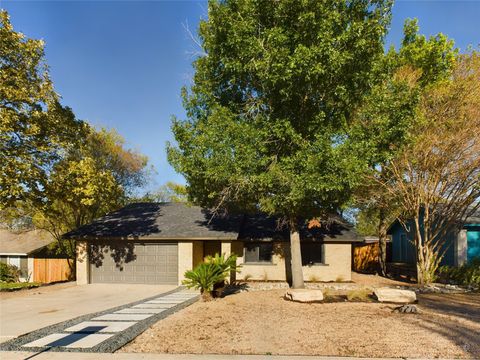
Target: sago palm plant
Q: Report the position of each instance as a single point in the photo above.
(203, 278)
(209, 277)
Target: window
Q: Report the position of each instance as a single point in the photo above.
(14, 260)
(258, 252)
(312, 253)
(24, 266)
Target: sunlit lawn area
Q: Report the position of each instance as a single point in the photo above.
(8, 286)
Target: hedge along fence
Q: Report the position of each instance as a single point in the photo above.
(51, 270)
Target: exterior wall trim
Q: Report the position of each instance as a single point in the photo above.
(461, 247)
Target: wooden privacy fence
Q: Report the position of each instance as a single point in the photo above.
(50, 270)
(365, 256)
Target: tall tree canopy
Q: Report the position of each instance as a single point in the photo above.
(436, 177)
(34, 127)
(168, 192)
(53, 167)
(388, 119)
(271, 104)
(98, 176)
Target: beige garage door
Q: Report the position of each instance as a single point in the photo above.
(134, 263)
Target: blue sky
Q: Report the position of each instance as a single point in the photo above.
(122, 64)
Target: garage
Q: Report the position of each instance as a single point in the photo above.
(131, 262)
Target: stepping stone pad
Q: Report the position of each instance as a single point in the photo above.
(169, 304)
(90, 341)
(139, 311)
(123, 317)
(101, 326)
(176, 298)
(75, 340)
(152, 306)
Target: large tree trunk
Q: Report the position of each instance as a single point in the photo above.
(296, 255)
(382, 243)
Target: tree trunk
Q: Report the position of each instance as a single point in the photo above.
(296, 255)
(382, 243)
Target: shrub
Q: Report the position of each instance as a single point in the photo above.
(467, 274)
(358, 295)
(209, 276)
(9, 273)
(203, 278)
(227, 265)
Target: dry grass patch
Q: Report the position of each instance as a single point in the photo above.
(262, 322)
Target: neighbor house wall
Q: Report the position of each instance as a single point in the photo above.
(337, 266)
(82, 263)
(31, 268)
(472, 235)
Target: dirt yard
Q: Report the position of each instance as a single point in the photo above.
(263, 323)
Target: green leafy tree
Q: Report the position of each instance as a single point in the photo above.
(367, 221)
(34, 127)
(388, 120)
(271, 104)
(436, 178)
(169, 192)
(91, 180)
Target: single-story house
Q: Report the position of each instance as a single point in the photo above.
(27, 250)
(461, 245)
(155, 243)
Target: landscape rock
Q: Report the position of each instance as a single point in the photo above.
(395, 295)
(304, 295)
(406, 309)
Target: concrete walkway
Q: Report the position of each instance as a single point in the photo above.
(133, 356)
(23, 312)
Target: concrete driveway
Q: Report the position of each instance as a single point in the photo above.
(24, 311)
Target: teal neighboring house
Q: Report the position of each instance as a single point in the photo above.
(462, 244)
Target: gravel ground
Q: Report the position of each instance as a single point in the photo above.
(108, 346)
(262, 322)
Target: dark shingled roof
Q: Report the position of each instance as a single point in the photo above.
(159, 221)
(151, 221)
(474, 218)
(262, 227)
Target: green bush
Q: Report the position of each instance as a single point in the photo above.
(467, 274)
(209, 277)
(9, 273)
(227, 265)
(204, 277)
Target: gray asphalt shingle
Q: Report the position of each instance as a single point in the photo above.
(178, 221)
